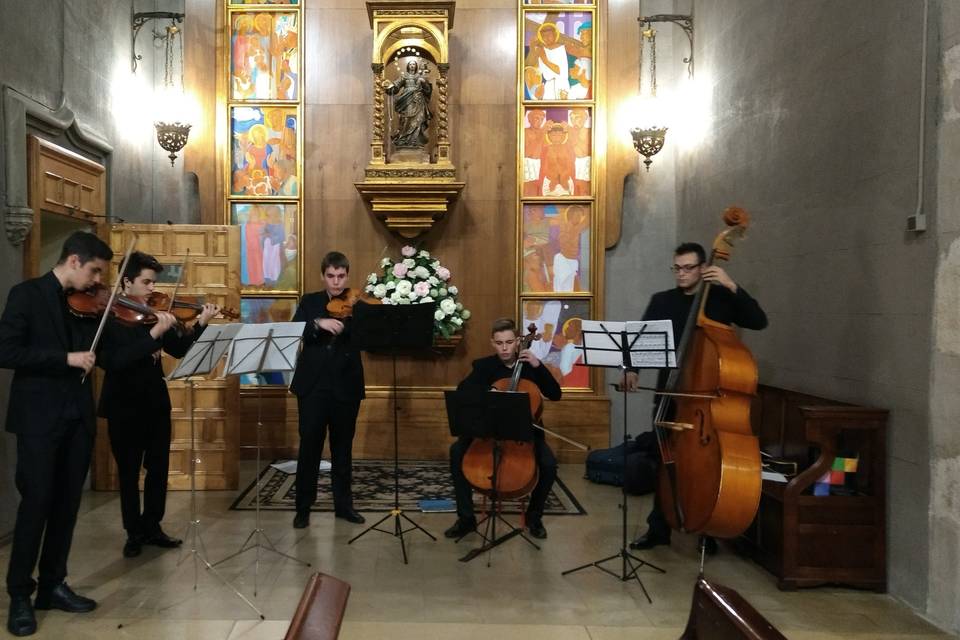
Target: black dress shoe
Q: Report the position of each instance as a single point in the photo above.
(160, 539)
(650, 540)
(536, 528)
(350, 516)
(301, 521)
(461, 527)
(20, 620)
(132, 547)
(62, 597)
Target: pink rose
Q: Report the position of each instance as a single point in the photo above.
(408, 251)
(421, 289)
(443, 273)
(400, 270)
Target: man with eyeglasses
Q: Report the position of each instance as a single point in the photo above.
(728, 303)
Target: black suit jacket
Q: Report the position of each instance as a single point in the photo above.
(135, 383)
(34, 342)
(326, 362)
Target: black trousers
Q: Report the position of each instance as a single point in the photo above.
(546, 462)
(51, 470)
(144, 442)
(320, 411)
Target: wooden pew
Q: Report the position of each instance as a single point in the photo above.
(320, 612)
(720, 613)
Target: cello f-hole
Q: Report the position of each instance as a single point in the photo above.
(704, 436)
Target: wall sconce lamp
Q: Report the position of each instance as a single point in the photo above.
(172, 132)
(649, 138)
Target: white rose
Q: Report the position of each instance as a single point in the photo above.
(433, 280)
(385, 263)
(409, 263)
(379, 291)
(448, 306)
(457, 321)
(438, 315)
(395, 296)
(372, 278)
(426, 299)
(404, 287)
(453, 291)
(435, 265)
(424, 254)
(413, 294)
(391, 285)
(368, 288)
(421, 272)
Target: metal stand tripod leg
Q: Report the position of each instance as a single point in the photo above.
(396, 513)
(629, 564)
(193, 527)
(258, 533)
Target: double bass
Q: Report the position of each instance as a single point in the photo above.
(710, 477)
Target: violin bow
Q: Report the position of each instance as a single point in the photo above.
(113, 298)
(183, 266)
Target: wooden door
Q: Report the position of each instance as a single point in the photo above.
(212, 271)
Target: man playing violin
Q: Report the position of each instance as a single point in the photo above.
(328, 383)
(136, 404)
(52, 413)
(728, 303)
(485, 372)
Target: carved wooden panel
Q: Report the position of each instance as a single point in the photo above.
(215, 398)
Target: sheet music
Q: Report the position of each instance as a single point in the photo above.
(651, 343)
(205, 353)
(247, 351)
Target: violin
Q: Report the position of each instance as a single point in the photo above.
(184, 308)
(710, 477)
(516, 472)
(128, 310)
(341, 306)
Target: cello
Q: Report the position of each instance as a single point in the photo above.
(516, 471)
(710, 477)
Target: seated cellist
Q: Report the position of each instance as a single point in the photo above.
(729, 303)
(486, 371)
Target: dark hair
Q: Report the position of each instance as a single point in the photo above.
(336, 260)
(138, 262)
(691, 247)
(503, 324)
(86, 246)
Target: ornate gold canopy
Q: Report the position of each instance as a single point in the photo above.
(410, 181)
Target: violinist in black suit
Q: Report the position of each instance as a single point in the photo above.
(485, 372)
(136, 404)
(328, 383)
(51, 412)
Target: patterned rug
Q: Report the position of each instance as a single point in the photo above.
(373, 489)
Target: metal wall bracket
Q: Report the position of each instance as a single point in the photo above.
(140, 19)
(683, 21)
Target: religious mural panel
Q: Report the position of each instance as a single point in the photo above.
(557, 1)
(559, 322)
(247, 2)
(269, 241)
(259, 311)
(557, 156)
(556, 247)
(558, 56)
(264, 56)
(263, 158)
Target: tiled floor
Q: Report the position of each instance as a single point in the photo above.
(520, 596)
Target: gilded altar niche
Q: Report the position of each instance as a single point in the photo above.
(409, 180)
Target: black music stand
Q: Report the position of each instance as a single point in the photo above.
(626, 345)
(256, 349)
(497, 415)
(391, 328)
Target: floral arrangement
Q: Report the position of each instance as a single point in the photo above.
(416, 279)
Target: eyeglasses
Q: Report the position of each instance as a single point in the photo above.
(686, 268)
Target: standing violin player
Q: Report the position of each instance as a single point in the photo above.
(486, 371)
(328, 383)
(136, 404)
(52, 413)
(728, 303)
